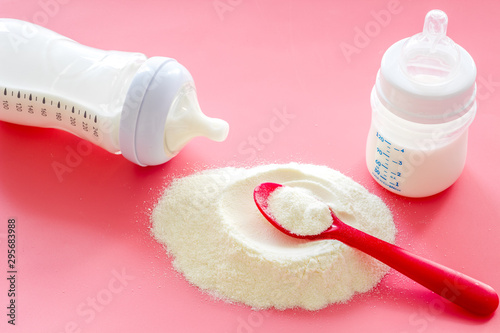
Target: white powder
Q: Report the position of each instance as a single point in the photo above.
(222, 244)
(298, 211)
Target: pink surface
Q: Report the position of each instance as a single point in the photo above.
(86, 261)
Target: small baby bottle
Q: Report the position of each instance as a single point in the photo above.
(422, 103)
(146, 109)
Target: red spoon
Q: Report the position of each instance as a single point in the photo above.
(471, 294)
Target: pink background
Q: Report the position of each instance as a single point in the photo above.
(250, 60)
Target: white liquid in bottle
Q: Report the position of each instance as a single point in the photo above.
(422, 105)
(123, 102)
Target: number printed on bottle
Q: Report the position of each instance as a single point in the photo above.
(29, 108)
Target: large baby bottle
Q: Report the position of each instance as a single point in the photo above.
(423, 102)
(146, 109)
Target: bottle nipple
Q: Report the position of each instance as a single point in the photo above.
(186, 121)
(431, 57)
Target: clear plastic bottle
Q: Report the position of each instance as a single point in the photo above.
(423, 102)
(146, 109)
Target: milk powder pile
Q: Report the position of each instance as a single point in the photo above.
(221, 243)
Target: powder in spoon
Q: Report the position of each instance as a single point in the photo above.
(298, 211)
(221, 243)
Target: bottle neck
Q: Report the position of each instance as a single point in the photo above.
(161, 114)
(414, 134)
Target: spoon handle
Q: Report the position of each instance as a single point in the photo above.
(471, 294)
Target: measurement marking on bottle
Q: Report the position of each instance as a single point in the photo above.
(26, 102)
(384, 171)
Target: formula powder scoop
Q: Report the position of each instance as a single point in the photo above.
(474, 295)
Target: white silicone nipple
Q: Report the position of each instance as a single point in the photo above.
(431, 57)
(186, 121)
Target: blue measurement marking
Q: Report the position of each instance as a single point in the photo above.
(395, 162)
(385, 166)
(386, 154)
(383, 177)
(396, 149)
(388, 142)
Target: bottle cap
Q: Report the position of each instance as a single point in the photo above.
(161, 114)
(428, 78)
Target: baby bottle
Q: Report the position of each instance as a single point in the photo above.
(422, 103)
(146, 109)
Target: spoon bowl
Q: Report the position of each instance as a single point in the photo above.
(471, 294)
